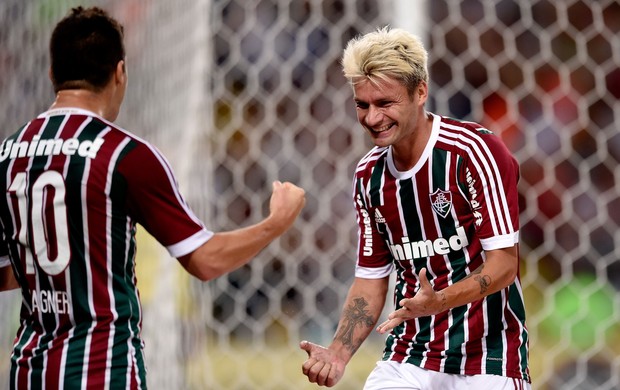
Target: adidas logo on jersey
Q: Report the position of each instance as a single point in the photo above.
(46, 147)
(419, 249)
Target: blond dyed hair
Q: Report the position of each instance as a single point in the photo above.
(386, 53)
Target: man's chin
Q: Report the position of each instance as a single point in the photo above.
(381, 143)
(381, 139)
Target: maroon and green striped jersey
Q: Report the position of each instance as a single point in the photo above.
(76, 186)
(458, 201)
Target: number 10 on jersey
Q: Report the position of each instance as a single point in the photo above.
(45, 210)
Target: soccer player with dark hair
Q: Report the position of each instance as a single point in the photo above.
(437, 205)
(76, 187)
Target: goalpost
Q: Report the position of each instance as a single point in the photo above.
(240, 93)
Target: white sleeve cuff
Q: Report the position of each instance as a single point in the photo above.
(374, 273)
(190, 244)
(499, 242)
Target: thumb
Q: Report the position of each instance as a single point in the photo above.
(308, 347)
(423, 279)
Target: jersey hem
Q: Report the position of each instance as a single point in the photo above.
(459, 371)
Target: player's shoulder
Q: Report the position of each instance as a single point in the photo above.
(370, 159)
(132, 138)
(465, 135)
(116, 129)
(448, 124)
(472, 140)
(132, 148)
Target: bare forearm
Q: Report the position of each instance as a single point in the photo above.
(361, 312)
(498, 272)
(227, 251)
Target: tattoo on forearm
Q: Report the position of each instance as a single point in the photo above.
(484, 280)
(353, 316)
(444, 301)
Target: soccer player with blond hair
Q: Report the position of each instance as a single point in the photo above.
(437, 205)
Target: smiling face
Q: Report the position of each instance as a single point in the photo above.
(390, 115)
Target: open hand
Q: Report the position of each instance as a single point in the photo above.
(426, 302)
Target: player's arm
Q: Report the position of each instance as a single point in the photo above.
(496, 273)
(361, 310)
(227, 251)
(7, 279)
(155, 202)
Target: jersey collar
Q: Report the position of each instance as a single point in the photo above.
(425, 154)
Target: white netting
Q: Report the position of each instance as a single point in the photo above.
(239, 93)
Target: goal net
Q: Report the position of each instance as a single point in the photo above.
(240, 93)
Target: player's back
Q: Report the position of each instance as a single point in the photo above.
(72, 246)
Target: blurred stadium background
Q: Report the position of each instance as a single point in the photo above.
(239, 93)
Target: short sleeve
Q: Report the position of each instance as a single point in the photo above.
(155, 202)
(374, 260)
(491, 176)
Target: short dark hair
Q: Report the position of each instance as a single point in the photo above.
(85, 48)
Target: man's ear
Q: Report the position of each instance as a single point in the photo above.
(120, 74)
(422, 91)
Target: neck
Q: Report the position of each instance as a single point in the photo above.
(81, 98)
(407, 154)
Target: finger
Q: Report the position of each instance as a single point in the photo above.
(323, 375)
(276, 184)
(307, 366)
(308, 347)
(423, 278)
(313, 369)
(333, 377)
(398, 313)
(388, 325)
(403, 312)
(384, 327)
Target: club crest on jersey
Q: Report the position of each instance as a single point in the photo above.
(441, 201)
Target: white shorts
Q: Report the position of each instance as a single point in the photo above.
(390, 375)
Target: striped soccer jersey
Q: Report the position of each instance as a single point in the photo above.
(459, 200)
(75, 188)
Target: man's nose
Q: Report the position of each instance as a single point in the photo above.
(374, 116)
